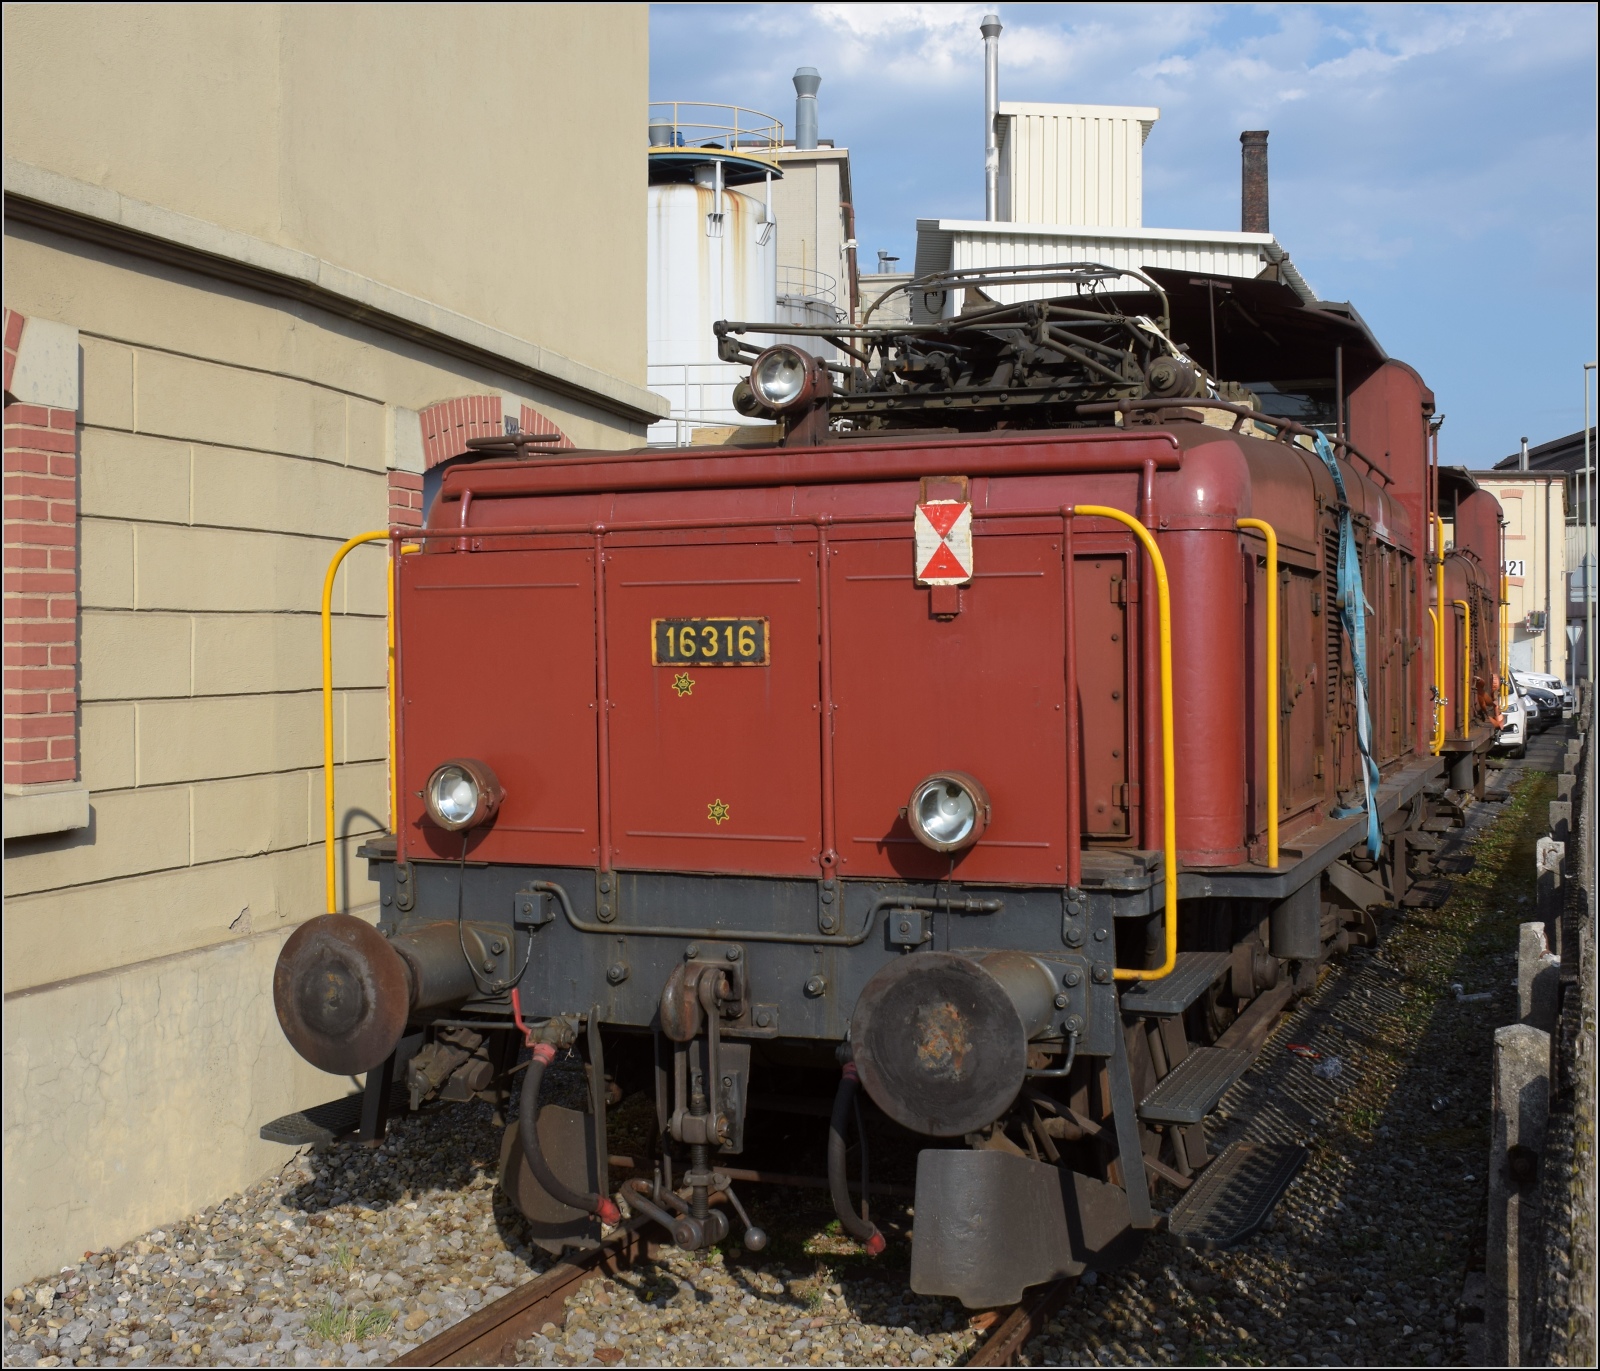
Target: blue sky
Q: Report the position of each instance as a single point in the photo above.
(1434, 164)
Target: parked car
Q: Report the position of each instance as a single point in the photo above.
(1549, 704)
(1544, 681)
(1513, 738)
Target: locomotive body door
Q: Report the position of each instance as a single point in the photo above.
(1101, 592)
(497, 662)
(982, 692)
(1302, 687)
(712, 653)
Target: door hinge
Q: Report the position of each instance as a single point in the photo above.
(1125, 795)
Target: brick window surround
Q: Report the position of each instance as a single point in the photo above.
(446, 426)
(442, 431)
(41, 553)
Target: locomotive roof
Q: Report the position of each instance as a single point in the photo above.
(1265, 331)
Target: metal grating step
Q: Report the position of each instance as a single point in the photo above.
(1190, 979)
(1235, 1194)
(1455, 863)
(1428, 894)
(1189, 1092)
(324, 1123)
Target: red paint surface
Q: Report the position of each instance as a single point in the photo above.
(513, 652)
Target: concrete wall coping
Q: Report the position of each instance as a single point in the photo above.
(31, 811)
(46, 371)
(51, 200)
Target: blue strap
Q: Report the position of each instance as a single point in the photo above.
(1353, 615)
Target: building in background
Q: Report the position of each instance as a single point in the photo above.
(265, 265)
(1533, 507)
(1561, 462)
(817, 266)
(1065, 183)
(1071, 189)
(771, 237)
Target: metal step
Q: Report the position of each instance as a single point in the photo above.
(1191, 1090)
(1456, 863)
(1190, 979)
(1235, 1194)
(1429, 894)
(325, 1123)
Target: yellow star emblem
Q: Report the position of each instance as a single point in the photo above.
(683, 683)
(716, 811)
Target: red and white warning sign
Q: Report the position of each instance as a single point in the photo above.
(944, 542)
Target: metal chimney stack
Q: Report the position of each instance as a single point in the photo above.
(990, 28)
(1522, 460)
(1253, 187)
(806, 81)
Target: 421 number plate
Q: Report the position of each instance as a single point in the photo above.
(709, 642)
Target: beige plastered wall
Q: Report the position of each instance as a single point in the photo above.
(807, 203)
(480, 157)
(1538, 544)
(229, 441)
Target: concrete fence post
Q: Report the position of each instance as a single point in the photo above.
(1549, 857)
(1561, 822)
(1521, 1101)
(1538, 978)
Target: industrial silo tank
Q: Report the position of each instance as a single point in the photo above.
(713, 255)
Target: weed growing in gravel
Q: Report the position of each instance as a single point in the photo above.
(343, 1257)
(339, 1324)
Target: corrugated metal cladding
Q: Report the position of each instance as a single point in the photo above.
(959, 245)
(1073, 164)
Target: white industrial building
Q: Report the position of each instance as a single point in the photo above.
(1065, 183)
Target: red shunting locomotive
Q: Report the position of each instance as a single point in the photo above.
(1009, 742)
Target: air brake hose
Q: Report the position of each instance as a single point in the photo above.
(528, 1117)
(849, 1220)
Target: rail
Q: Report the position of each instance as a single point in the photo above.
(1169, 820)
(328, 816)
(808, 284)
(1271, 535)
(490, 1334)
(1465, 607)
(702, 124)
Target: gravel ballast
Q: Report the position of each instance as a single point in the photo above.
(346, 1257)
(352, 1255)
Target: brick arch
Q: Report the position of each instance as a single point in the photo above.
(447, 425)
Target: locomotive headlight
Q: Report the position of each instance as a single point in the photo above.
(462, 794)
(948, 811)
(781, 377)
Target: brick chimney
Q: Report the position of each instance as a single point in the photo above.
(1253, 187)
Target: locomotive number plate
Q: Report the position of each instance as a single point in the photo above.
(709, 642)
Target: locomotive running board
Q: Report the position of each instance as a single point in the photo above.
(1236, 1195)
(990, 1224)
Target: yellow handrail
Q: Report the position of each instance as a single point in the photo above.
(327, 702)
(1505, 641)
(1169, 826)
(1466, 666)
(1270, 534)
(1439, 727)
(1436, 743)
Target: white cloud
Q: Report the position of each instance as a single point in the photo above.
(1421, 153)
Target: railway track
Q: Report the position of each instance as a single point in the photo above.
(489, 1337)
